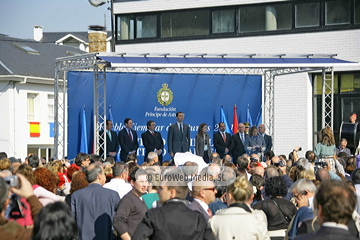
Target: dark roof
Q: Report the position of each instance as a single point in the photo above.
(52, 37)
(20, 62)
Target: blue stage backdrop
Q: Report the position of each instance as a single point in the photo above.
(147, 96)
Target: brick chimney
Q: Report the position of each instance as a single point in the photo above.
(38, 32)
(97, 38)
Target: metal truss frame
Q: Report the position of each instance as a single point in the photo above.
(327, 114)
(100, 108)
(90, 62)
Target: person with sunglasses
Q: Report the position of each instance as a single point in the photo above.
(203, 193)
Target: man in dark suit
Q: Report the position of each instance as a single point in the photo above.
(178, 136)
(204, 194)
(160, 223)
(336, 203)
(222, 141)
(112, 144)
(127, 138)
(152, 140)
(94, 207)
(238, 141)
(268, 139)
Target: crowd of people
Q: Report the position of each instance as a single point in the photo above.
(265, 196)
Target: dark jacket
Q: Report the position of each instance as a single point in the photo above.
(129, 213)
(125, 143)
(238, 148)
(195, 206)
(268, 142)
(327, 233)
(151, 143)
(172, 221)
(111, 145)
(220, 145)
(13, 230)
(94, 208)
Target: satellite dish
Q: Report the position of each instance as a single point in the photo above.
(97, 3)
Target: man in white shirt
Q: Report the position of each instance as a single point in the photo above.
(118, 183)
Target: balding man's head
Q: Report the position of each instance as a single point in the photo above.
(204, 190)
(259, 170)
(322, 175)
(275, 160)
(271, 172)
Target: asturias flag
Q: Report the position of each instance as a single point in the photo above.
(83, 142)
(248, 116)
(224, 120)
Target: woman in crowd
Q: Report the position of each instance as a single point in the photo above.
(258, 182)
(57, 168)
(55, 221)
(44, 195)
(279, 211)
(46, 185)
(202, 143)
(78, 182)
(325, 149)
(225, 223)
(255, 143)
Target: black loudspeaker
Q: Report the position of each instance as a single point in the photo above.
(351, 133)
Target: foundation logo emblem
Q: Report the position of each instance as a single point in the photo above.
(165, 95)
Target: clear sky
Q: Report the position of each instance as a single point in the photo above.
(18, 17)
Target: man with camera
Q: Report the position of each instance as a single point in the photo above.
(13, 230)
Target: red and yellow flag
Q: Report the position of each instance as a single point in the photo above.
(34, 129)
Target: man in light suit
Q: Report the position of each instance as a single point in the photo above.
(152, 141)
(178, 136)
(332, 218)
(204, 194)
(94, 207)
(127, 138)
(342, 148)
(112, 144)
(238, 141)
(268, 139)
(222, 141)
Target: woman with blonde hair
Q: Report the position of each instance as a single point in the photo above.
(225, 223)
(325, 149)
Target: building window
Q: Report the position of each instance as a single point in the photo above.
(265, 18)
(31, 106)
(131, 27)
(307, 15)
(337, 12)
(357, 11)
(125, 28)
(185, 23)
(223, 21)
(146, 26)
(50, 108)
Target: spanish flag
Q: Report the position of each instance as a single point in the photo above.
(34, 129)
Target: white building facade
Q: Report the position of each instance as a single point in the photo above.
(262, 28)
(27, 100)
